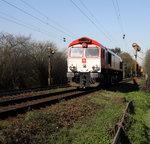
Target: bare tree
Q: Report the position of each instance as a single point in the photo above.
(15, 61)
(24, 62)
(59, 68)
(40, 58)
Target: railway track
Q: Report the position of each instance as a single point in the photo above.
(5, 93)
(21, 105)
(20, 91)
(121, 137)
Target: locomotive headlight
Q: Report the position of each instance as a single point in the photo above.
(95, 68)
(73, 68)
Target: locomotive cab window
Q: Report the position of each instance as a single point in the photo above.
(92, 52)
(76, 52)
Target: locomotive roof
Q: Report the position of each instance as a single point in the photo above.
(84, 40)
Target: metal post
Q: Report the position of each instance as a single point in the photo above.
(136, 48)
(135, 65)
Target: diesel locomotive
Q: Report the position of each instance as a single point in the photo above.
(89, 63)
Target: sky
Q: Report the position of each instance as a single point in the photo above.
(105, 21)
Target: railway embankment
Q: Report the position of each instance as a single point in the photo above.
(87, 119)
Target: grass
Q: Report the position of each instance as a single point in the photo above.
(35, 127)
(93, 130)
(85, 120)
(139, 131)
(88, 119)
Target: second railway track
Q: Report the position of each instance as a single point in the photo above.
(21, 105)
(4, 93)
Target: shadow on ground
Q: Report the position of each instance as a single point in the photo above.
(123, 87)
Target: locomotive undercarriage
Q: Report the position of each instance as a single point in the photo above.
(109, 76)
(106, 78)
(83, 79)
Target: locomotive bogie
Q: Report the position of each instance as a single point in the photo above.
(83, 79)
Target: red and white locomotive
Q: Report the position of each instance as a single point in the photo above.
(90, 63)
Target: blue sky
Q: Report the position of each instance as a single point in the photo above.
(105, 21)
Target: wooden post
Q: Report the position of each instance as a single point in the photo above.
(49, 66)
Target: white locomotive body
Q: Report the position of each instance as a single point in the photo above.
(90, 63)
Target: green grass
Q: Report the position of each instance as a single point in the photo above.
(93, 130)
(139, 131)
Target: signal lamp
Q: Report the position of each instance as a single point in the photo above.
(136, 46)
(52, 51)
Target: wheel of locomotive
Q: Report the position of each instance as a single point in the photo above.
(108, 80)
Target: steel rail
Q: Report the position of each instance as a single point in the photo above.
(23, 107)
(34, 97)
(25, 90)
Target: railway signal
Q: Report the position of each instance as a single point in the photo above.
(50, 52)
(124, 36)
(137, 49)
(64, 39)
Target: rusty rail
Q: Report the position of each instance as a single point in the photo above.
(121, 137)
(26, 90)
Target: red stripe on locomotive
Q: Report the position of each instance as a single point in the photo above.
(84, 40)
